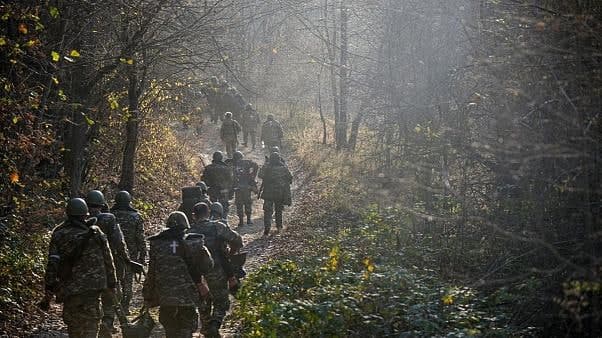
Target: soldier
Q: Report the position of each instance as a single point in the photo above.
(204, 196)
(80, 267)
(211, 93)
(190, 197)
(271, 133)
(108, 224)
(229, 133)
(245, 172)
(276, 190)
(174, 282)
(218, 177)
(250, 121)
(132, 226)
(221, 242)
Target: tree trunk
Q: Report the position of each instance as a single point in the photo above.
(126, 181)
(344, 79)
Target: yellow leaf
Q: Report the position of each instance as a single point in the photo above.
(274, 51)
(54, 12)
(2, 41)
(55, 80)
(14, 178)
(417, 129)
(447, 299)
(130, 61)
(55, 56)
(74, 53)
(23, 28)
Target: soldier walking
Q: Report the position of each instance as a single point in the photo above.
(174, 282)
(276, 190)
(108, 224)
(229, 133)
(221, 242)
(250, 122)
(132, 226)
(245, 172)
(211, 93)
(271, 133)
(80, 267)
(219, 180)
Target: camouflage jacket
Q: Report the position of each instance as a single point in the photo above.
(218, 237)
(276, 184)
(250, 120)
(244, 172)
(271, 131)
(69, 272)
(176, 264)
(107, 222)
(217, 176)
(132, 227)
(229, 131)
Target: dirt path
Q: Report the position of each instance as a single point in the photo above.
(259, 248)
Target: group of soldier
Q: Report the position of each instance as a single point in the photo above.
(194, 264)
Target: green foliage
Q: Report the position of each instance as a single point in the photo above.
(362, 284)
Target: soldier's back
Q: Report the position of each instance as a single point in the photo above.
(169, 281)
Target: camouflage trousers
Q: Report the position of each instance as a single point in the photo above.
(269, 207)
(82, 314)
(230, 147)
(214, 308)
(178, 321)
(244, 204)
(127, 290)
(248, 135)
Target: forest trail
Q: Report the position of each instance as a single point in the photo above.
(259, 248)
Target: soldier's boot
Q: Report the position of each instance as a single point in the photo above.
(267, 224)
(249, 222)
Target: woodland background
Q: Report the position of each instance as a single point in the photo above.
(451, 149)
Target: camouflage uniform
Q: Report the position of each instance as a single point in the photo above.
(217, 237)
(271, 133)
(176, 267)
(276, 191)
(245, 172)
(211, 92)
(250, 121)
(218, 177)
(108, 224)
(80, 287)
(229, 134)
(132, 226)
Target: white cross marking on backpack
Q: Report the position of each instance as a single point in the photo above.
(174, 246)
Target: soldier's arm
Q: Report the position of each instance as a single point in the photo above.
(107, 257)
(140, 242)
(118, 243)
(230, 236)
(148, 289)
(51, 278)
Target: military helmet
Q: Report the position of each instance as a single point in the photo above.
(95, 198)
(213, 80)
(202, 185)
(228, 115)
(177, 220)
(106, 220)
(270, 117)
(77, 207)
(217, 209)
(123, 198)
(275, 149)
(200, 208)
(238, 155)
(218, 156)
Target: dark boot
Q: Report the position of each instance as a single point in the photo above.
(249, 222)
